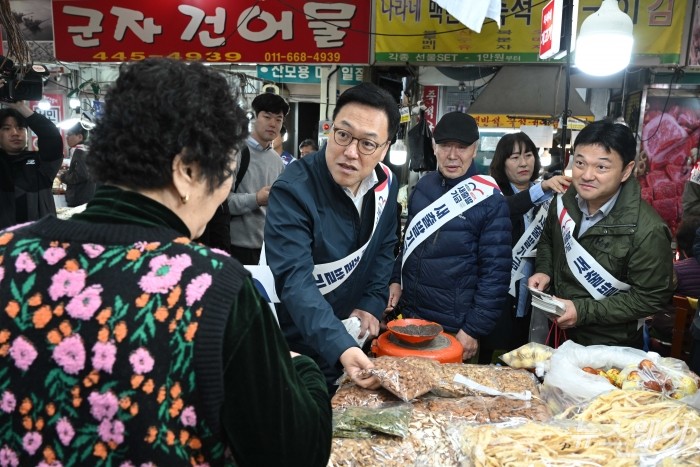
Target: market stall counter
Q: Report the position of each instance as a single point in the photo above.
(433, 414)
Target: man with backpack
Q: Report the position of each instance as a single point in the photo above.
(258, 167)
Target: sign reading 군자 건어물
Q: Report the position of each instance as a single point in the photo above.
(323, 32)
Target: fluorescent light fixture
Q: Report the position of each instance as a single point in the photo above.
(86, 119)
(68, 123)
(605, 41)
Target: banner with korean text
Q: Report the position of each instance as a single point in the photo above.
(321, 32)
(420, 31)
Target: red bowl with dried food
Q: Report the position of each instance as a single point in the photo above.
(414, 331)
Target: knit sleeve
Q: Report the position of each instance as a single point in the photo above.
(271, 399)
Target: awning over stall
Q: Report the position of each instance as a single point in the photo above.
(530, 91)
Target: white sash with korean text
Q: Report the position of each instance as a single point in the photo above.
(526, 245)
(594, 277)
(456, 201)
(328, 276)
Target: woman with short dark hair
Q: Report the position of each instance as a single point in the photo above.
(126, 343)
(516, 168)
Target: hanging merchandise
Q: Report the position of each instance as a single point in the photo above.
(420, 147)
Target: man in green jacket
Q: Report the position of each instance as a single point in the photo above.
(604, 252)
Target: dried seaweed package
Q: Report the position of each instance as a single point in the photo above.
(391, 419)
(344, 426)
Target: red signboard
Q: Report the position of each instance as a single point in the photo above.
(550, 34)
(547, 24)
(217, 31)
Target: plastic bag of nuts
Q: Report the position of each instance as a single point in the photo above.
(349, 394)
(406, 377)
(387, 451)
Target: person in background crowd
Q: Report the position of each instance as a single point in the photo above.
(556, 167)
(306, 147)
(217, 233)
(695, 328)
(122, 330)
(604, 252)
(516, 167)
(278, 146)
(686, 275)
(687, 269)
(455, 274)
(324, 208)
(248, 204)
(26, 177)
(691, 193)
(80, 188)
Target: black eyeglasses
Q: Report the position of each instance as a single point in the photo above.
(365, 146)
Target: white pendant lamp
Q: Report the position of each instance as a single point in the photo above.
(604, 43)
(398, 153)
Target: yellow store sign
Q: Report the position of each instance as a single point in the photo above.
(420, 31)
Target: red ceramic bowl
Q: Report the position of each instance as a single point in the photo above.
(413, 330)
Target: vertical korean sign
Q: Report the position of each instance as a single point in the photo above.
(248, 31)
(430, 100)
(550, 30)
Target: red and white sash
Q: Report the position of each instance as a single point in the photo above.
(456, 201)
(328, 276)
(595, 278)
(526, 245)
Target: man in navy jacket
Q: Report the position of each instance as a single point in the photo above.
(327, 207)
(458, 276)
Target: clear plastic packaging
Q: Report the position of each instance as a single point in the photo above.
(528, 356)
(498, 379)
(554, 443)
(389, 419)
(406, 377)
(349, 394)
(657, 428)
(578, 374)
(379, 451)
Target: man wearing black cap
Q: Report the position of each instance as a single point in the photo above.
(456, 256)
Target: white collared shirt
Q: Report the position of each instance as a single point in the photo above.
(365, 186)
(253, 143)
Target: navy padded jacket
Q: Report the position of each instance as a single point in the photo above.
(459, 275)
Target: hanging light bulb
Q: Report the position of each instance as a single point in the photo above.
(398, 153)
(74, 102)
(604, 44)
(44, 104)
